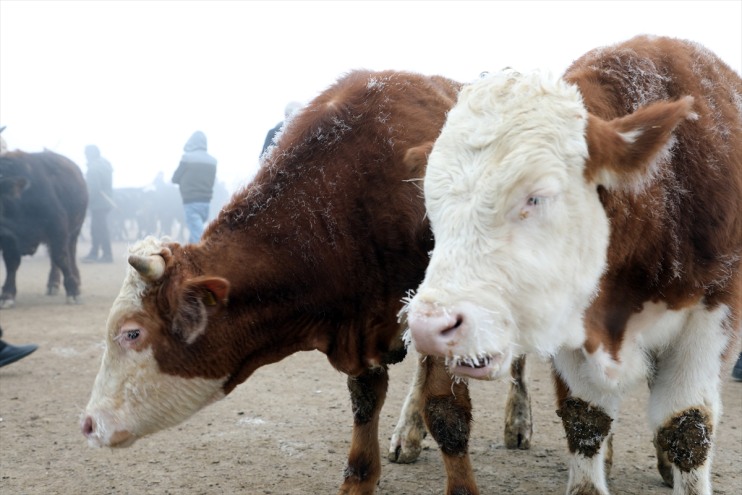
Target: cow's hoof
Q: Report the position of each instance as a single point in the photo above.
(7, 303)
(74, 300)
(518, 435)
(405, 451)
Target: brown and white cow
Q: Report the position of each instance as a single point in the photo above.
(595, 218)
(316, 253)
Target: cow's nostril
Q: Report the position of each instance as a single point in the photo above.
(451, 330)
(87, 426)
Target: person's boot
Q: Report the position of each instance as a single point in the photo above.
(11, 353)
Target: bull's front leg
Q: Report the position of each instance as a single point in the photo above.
(12, 259)
(367, 394)
(685, 401)
(588, 429)
(518, 420)
(447, 414)
(406, 443)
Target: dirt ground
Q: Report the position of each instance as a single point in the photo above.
(284, 431)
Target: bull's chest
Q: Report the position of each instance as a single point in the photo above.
(623, 360)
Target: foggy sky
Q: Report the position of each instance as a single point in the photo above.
(137, 78)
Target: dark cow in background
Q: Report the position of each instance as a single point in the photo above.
(316, 253)
(44, 198)
(596, 218)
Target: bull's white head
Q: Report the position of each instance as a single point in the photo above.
(132, 396)
(521, 236)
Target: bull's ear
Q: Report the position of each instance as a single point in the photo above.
(623, 152)
(201, 298)
(416, 158)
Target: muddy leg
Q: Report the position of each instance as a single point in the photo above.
(664, 466)
(367, 394)
(447, 414)
(685, 441)
(518, 422)
(685, 400)
(588, 430)
(405, 445)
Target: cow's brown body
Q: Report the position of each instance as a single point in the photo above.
(317, 253)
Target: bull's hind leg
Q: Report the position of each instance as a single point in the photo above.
(55, 279)
(59, 253)
(685, 400)
(447, 414)
(367, 394)
(406, 442)
(518, 422)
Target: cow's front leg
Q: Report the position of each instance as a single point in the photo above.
(685, 401)
(518, 422)
(588, 430)
(447, 414)
(367, 394)
(406, 443)
(12, 259)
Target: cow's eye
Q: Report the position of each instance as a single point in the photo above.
(131, 335)
(535, 200)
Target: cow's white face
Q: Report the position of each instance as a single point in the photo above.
(520, 233)
(131, 396)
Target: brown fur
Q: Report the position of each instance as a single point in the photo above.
(316, 253)
(690, 215)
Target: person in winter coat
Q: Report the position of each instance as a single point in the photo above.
(99, 178)
(195, 176)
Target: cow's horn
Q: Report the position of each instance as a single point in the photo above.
(149, 267)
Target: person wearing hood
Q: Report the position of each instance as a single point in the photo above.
(99, 178)
(195, 176)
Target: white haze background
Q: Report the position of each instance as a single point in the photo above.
(137, 77)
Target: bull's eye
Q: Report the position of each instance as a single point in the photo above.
(131, 335)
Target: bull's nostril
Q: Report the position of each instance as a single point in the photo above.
(87, 426)
(451, 330)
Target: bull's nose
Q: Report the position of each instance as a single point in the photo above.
(87, 426)
(434, 331)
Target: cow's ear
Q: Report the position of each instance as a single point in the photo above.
(416, 158)
(201, 298)
(623, 152)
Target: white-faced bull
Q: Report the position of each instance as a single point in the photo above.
(595, 218)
